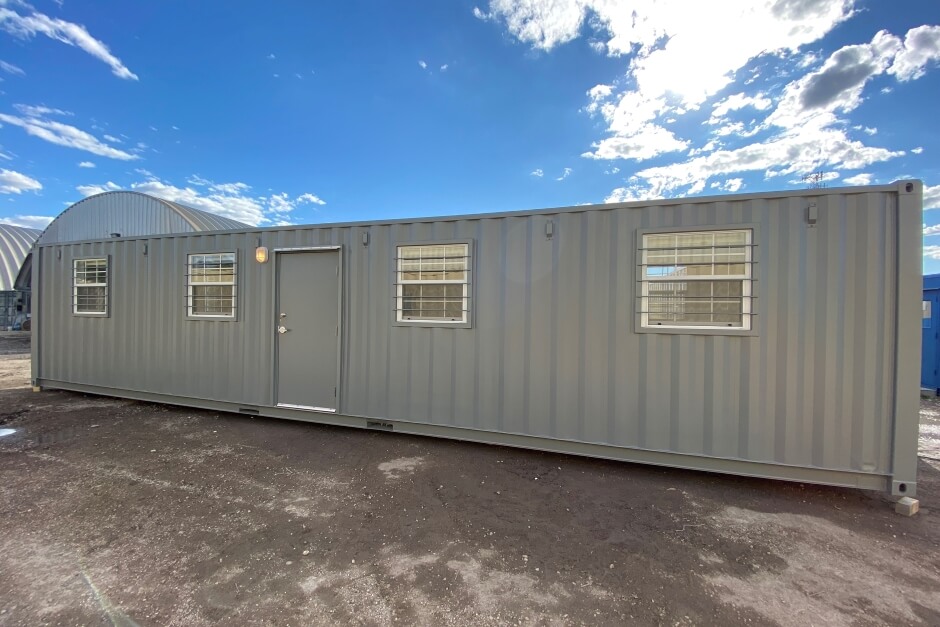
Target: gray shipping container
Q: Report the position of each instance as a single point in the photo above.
(772, 335)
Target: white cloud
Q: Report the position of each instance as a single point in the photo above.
(613, 170)
(917, 150)
(480, 15)
(736, 102)
(9, 68)
(112, 139)
(932, 251)
(423, 64)
(565, 174)
(91, 190)
(931, 230)
(795, 151)
(642, 143)
(30, 222)
(272, 56)
(862, 178)
(15, 183)
(729, 185)
(444, 67)
(27, 26)
(65, 135)
(86, 164)
(538, 172)
(38, 111)
(313, 199)
(921, 47)
(931, 197)
(231, 200)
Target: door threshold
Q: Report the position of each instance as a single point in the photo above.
(308, 408)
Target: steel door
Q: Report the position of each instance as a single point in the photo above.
(307, 329)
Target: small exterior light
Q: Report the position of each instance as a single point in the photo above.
(261, 254)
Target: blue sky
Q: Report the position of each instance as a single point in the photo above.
(276, 113)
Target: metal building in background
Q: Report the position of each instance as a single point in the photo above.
(15, 242)
(770, 335)
(930, 350)
(121, 214)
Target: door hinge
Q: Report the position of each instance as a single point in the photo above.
(334, 392)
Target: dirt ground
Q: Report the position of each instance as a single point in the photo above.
(122, 513)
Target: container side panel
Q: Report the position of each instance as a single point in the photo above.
(552, 350)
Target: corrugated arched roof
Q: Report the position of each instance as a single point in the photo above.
(129, 214)
(15, 242)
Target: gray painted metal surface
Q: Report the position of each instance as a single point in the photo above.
(15, 242)
(130, 214)
(823, 390)
(307, 329)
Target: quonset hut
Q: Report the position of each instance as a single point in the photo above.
(119, 214)
(15, 242)
(771, 335)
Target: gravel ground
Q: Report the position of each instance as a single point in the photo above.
(117, 512)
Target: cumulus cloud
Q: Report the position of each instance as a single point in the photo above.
(778, 131)
(917, 150)
(28, 26)
(736, 102)
(931, 197)
(668, 73)
(794, 151)
(91, 190)
(65, 135)
(931, 230)
(86, 164)
(423, 64)
(231, 200)
(538, 172)
(29, 222)
(921, 48)
(932, 252)
(16, 183)
(862, 178)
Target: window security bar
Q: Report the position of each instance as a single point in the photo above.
(721, 247)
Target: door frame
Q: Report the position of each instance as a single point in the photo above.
(339, 321)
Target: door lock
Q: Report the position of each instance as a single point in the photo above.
(282, 330)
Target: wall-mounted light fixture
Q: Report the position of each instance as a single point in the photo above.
(549, 229)
(365, 238)
(145, 250)
(261, 254)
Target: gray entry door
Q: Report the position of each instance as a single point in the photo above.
(307, 320)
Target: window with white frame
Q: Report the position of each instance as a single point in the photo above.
(433, 283)
(210, 285)
(90, 286)
(697, 279)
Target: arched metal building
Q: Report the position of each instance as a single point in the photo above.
(118, 214)
(15, 242)
(129, 214)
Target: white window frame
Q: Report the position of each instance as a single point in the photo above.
(400, 281)
(76, 286)
(190, 295)
(746, 279)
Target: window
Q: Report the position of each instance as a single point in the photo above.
(433, 283)
(926, 314)
(211, 285)
(696, 280)
(90, 287)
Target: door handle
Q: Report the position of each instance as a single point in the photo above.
(282, 330)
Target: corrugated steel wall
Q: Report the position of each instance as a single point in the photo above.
(15, 242)
(553, 350)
